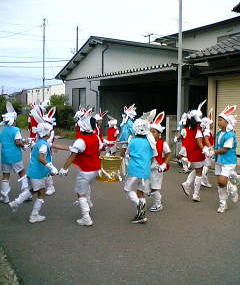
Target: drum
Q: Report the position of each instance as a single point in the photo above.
(110, 169)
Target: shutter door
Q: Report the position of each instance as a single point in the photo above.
(228, 93)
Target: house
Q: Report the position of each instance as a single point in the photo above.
(222, 71)
(35, 95)
(112, 73)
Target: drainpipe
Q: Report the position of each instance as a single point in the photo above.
(97, 96)
(103, 51)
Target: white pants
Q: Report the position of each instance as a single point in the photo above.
(84, 180)
(134, 183)
(225, 169)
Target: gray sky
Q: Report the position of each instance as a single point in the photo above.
(21, 29)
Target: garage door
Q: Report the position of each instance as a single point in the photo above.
(228, 93)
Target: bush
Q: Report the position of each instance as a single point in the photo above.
(64, 117)
(58, 100)
(22, 121)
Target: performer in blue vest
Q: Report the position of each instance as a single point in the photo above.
(39, 168)
(226, 157)
(11, 153)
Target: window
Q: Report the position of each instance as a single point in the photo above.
(78, 98)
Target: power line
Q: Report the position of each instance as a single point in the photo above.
(29, 66)
(20, 33)
(33, 61)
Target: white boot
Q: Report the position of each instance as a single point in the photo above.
(186, 186)
(223, 195)
(197, 186)
(24, 196)
(35, 217)
(50, 187)
(24, 182)
(184, 161)
(205, 181)
(157, 204)
(85, 220)
(5, 189)
(233, 192)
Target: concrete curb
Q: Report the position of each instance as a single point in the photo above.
(7, 274)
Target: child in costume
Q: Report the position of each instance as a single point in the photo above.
(39, 168)
(194, 147)
(159, 163)
(226, 158)
(182, 155)
(11, 153)
(112, 136)
(99, 119)
(206, 126)
(78, 115)
(141, 150)
(85, 155)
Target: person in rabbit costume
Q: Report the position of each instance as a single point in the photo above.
(11, 153)
(141, 150)
(99, 119)
(32, 123)
(159, 163)
(78, 115)
(182, 155)
(226, 157)
(112, 135)
(85, 155)
(194, 146)
(206, 126)
(39, 168)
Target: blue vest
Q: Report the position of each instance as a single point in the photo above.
(126, 131)
(37, 170)
(11, 153)
(230, 157)
(141, 153)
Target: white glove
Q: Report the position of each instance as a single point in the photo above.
(63, 172)
(175, 139)
(162, 167)
(26, 146)
(52, 168)
(212, 154)
(206, 151)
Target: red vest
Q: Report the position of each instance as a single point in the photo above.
(78, 133)
(34, 124)
(194, 153)
(89, 159)
(111, 135)
(160, 159)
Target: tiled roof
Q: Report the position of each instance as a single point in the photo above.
(236, 8)
(226, 47)
(136, 71)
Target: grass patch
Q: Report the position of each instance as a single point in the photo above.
(67, 134)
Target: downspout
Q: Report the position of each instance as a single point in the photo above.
(97, 96)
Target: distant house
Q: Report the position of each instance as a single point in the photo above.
(36, 95)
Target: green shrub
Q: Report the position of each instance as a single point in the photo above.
(64, 117)
(58, 100)
(22, 121)
(68, 134)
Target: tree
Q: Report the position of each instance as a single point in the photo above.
(58, 100)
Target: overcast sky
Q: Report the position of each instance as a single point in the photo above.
(21, 30)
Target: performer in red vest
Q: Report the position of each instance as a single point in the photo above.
(112, 136)
(85, 155)
(160, 162)
(194, 146)
(99, 119)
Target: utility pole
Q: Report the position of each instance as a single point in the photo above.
(179, 85)
(77, 41)
(43, 78)
(148, 35)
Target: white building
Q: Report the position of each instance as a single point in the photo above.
(36, 95)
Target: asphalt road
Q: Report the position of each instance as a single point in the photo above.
(186, 243)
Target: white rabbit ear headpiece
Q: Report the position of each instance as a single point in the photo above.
(149, 115)
(130, 111)
(10, 117)
(84, 122)
(49, 116)
(197, 114)
(207, 121)
(226, 114)
(141, 127)
(157, 122)
(43, 129)
(111, 121)
(43, 105)
(183, 119)
(100, 115)
(80, 113)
